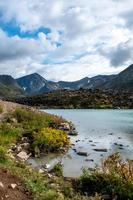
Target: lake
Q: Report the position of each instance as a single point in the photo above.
(97, 129)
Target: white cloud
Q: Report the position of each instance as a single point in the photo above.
(95, 37)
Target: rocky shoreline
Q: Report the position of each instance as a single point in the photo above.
(22, 150)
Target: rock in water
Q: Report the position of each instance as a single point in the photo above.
(101, 150)
(82, 153)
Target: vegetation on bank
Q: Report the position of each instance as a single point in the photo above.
(82, 98)
(113, 180)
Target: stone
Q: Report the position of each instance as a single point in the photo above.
(89, 160)
(64, 126)
(74, 149)
(13, 185)
(14, 147)
(121, 148)
(23, 155)
(41, 171)
(100, 150)
(1, 185)
(49, 175)
(73, 133)
(82, 153)
(19, 148)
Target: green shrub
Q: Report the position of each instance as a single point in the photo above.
(115, 179)
(49, 139)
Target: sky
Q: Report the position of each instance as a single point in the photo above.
(65, 39)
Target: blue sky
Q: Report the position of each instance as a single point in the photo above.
(65, 39)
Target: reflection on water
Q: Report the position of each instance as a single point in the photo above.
(110, 129)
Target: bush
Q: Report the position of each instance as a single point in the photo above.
(115, 179)
(49, 139)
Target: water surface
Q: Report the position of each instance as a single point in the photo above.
(97, 129)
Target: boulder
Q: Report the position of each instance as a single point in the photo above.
(23, 155)
(64, 126)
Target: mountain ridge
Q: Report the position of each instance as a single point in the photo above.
(34, 84)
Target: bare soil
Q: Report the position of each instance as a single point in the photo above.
(7, 189)
(7, 107)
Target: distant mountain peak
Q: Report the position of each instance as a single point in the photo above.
(36, 84)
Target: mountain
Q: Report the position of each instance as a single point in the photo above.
(36, 84)
(74, 85)
(122, 81)
(97, 81)
(9, 86)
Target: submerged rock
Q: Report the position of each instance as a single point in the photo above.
(93, 145)
(74, 149)
(100, 150)
(82, 153)
(89, 160)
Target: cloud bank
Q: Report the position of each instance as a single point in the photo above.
(65, 39)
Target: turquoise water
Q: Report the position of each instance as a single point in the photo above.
(97, 129)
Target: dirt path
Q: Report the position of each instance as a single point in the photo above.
(11, 188)
(7, 107)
